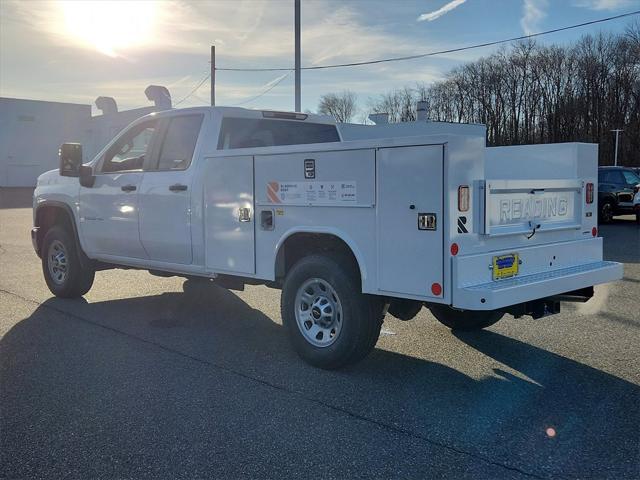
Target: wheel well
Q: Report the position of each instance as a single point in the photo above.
(608, 199)
(301, 245)
(48, 216)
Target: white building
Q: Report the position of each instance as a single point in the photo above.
(31, 131)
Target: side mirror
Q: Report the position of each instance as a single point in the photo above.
(87, 179)
(70, 159)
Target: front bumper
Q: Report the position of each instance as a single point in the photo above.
(574, 265)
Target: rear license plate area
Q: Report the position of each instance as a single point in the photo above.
(505, 266)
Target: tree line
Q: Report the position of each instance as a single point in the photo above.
(530, 93)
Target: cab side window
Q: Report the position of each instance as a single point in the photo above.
(630, 177)
(130, 150)
(617, 177)
(179, 142)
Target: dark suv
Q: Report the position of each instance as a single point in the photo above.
(616, 187)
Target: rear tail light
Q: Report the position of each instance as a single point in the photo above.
(463, 198)
(589, 193)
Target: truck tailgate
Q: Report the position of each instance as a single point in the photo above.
(524, 206)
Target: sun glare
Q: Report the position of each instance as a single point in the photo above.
(110, 26)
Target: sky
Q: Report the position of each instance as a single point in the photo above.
(74, 51)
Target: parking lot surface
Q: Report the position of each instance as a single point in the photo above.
(144, 378)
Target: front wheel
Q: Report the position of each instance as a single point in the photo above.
(606, 212)
(465, 320)
(61, 266)
(330, 322)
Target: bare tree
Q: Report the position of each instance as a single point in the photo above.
(341, 106)
(540, 94)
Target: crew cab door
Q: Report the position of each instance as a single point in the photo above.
(109, 209)
(165, 193)
(229, 219)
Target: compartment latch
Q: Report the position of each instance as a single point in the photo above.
(427, 221)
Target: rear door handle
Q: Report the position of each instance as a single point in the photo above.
(178, 188)
(128, 188)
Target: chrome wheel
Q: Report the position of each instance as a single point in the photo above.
(318, 312)
(57, 262)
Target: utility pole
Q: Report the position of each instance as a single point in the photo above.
(213, 75)
(617, 130)
(297, 54)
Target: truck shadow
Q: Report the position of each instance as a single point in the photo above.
(504, 410)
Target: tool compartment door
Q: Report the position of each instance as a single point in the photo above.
(229, 219)
(410, 223)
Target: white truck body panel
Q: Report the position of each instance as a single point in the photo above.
(351, 131)
(228, 187)
(361, 192)
(413, 265)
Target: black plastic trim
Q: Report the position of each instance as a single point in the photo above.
(84, 260)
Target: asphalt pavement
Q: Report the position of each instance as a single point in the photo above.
(144, 378)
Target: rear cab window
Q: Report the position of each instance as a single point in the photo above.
(260, 132)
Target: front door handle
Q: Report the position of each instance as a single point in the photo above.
(178, 188)
(128, 188)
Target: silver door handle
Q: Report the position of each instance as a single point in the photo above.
(244, 214)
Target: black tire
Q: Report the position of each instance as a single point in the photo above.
(361, 315)
(76, 281)
(606, 212)
(465, 320)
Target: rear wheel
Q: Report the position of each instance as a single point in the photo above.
(61, 265)
(329, 321)
(465, 320)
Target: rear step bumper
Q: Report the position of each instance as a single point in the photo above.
(512, 291)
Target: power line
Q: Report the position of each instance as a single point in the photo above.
(393, 59)
(271, 87)
(440, 52)
(194, 90)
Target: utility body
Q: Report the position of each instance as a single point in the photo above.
(349, 221)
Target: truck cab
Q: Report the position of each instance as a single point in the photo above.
(388, 219)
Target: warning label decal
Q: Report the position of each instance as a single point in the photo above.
(309, 193)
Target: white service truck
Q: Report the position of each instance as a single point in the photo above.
(351, 222)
